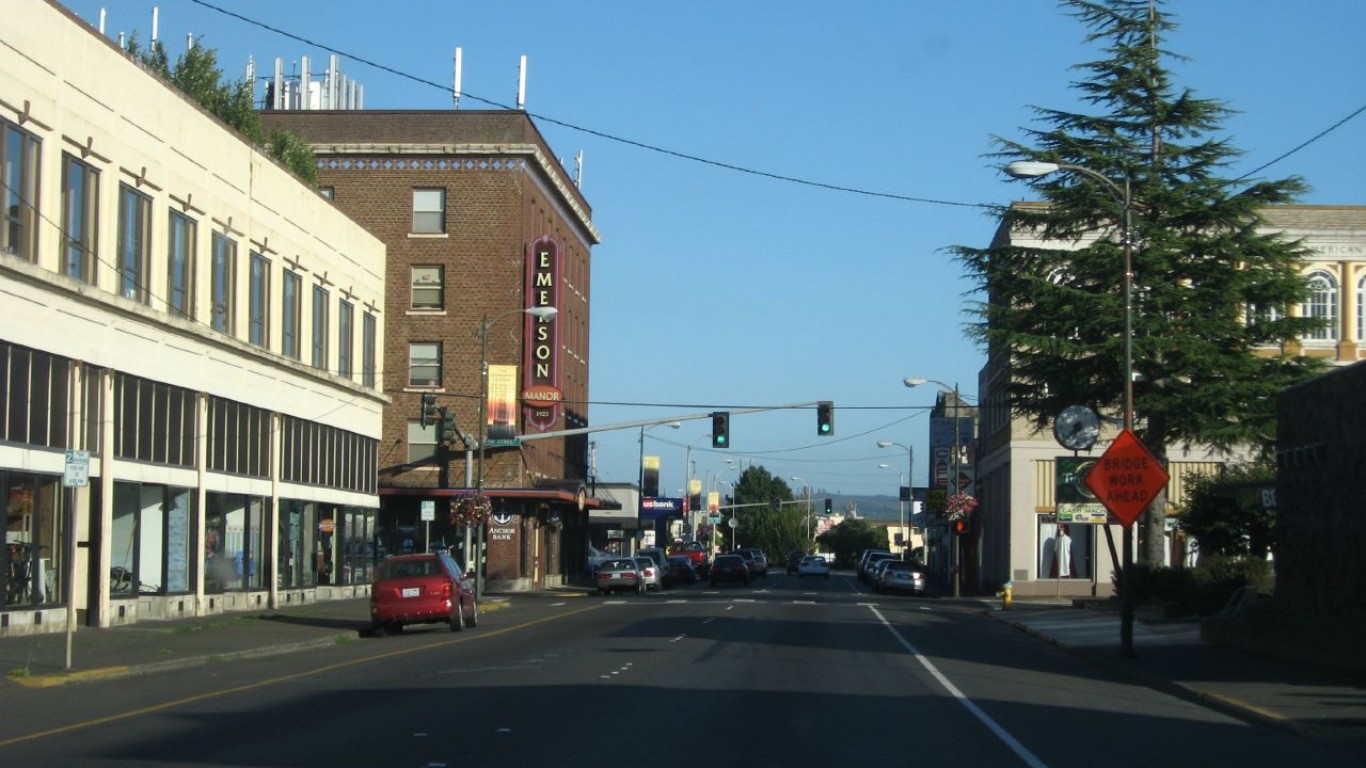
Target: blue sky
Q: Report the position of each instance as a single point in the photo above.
(717, 289)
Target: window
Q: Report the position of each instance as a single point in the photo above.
(346, 338)
(221, 282)
(1322, 305)
(19, 191)
(328, 192)
(320, 329)
(429, 211)
(258, 301)
(421, 441)
(1361, 310)
(80, 206)
(135, 226)
(424, 364)
(290, 307)
(427, 287)
(180, 265)
(368, 341)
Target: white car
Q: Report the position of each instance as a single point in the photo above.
(813, 565)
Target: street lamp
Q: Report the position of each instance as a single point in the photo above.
(1031, 169)
(900, 508)
(910, 486)
(807, 483)
(540, 313)
(954, 555)
(640, 503)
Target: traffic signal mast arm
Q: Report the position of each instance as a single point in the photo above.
(668, 420)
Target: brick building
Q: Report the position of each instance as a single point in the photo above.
(481, 222)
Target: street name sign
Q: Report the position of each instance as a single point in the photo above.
(1126, 478)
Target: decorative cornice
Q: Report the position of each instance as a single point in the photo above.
(448, 157)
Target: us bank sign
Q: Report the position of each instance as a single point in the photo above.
(541, 395)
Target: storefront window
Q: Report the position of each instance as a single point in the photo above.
(298, 530)
(233, 542)
(1065, 551)
(32, 558)
(150, 540)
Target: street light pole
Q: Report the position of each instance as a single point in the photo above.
(1029, 169)
(640, 469)
(540, 313)
(807, 483)
(955, 556)
(910, 491)
(900, 509)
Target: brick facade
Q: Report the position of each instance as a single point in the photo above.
(503, 191)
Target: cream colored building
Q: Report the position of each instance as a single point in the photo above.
(201, 322)
(1015, 535)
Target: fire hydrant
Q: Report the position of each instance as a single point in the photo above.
(1007, 599)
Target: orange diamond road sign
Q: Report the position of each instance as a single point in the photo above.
(1126, 478)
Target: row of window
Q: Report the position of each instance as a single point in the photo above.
(133, 253)
(157, 423)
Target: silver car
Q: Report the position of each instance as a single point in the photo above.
(651, 575)
(620, 574)
(900, 576)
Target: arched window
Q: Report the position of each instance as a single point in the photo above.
(1322, 304)
(1361, 310)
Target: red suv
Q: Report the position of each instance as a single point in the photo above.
(422, 589)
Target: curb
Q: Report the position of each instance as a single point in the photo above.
(100, 674)
(1219, 702)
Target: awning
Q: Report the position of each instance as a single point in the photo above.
(577, 498)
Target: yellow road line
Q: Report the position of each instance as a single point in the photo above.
(464, 638)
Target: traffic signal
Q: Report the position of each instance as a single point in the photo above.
(829, 506)
(825, 418)
(720, 429)
(959, 526)
(448, 431)
(429, 410)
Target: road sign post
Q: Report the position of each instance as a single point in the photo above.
(1126, 480)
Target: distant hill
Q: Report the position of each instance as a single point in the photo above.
(883, 508)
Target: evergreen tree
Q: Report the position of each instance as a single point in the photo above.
(1210, 291)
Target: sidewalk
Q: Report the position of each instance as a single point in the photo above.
(39, 661)
(1170, 655)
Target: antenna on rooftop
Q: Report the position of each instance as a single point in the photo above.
(459, 63)
(521, 84)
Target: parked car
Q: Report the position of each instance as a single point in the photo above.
(659, 556)
(651, 573)
(695, 551)
(900, 576)
(729, 569)
(422, 589)
(680, 571)
(794, 559)
(813, 565)
(621, 574)
(865, 573)
(754, 557)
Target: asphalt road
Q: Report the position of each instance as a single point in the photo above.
(787, 672)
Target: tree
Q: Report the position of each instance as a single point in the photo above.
(1225, 513)
(775, 530)
(851, 537)
(1212, 292)
(197, 75)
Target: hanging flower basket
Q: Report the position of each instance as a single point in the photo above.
(959, 506)
(470, 509)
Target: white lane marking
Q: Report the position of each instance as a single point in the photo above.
(1010, 741)
(676, 639)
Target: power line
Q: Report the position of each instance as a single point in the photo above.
(683, 155)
